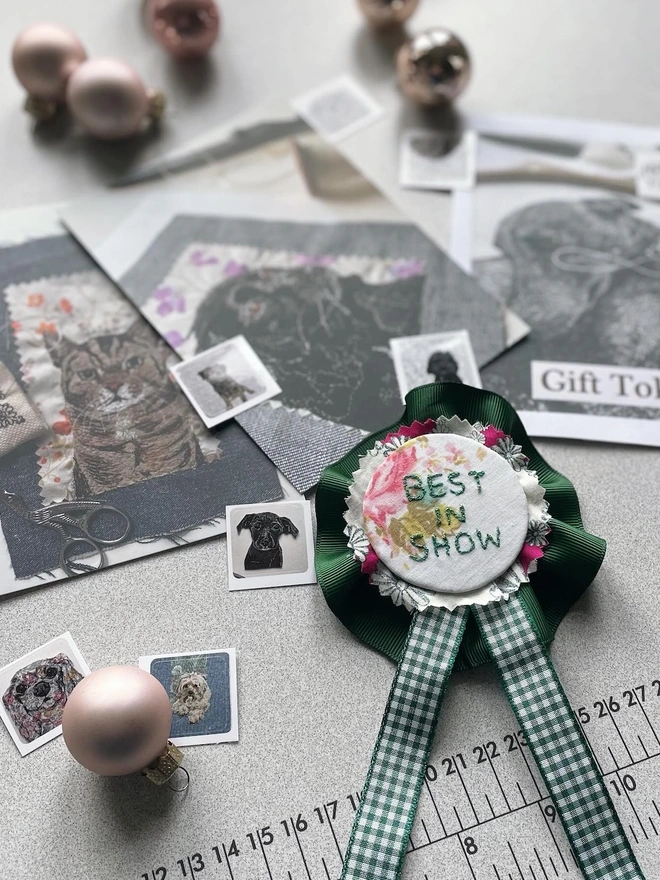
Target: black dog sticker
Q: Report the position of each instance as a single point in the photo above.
(266, 530)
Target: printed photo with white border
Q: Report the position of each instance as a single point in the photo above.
(434, 357)
(270, 545)
(203, 691)
(34, 690)
(225, 380)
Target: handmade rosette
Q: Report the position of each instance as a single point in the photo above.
(568, 564)
(443, 540)
(432, 516)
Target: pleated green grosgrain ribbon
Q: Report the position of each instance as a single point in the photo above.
(454, 516)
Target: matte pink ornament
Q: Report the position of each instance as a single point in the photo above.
(186, 28)
(109, 100)
(117, 721)
(43, 57)
(433, 67)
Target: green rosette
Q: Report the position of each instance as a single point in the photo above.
(569, 564)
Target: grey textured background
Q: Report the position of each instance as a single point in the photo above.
(310, 697)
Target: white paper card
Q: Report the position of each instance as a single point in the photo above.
(437, 160)
(338, 108)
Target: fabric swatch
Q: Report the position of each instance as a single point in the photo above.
(73, 305)
(19, 421)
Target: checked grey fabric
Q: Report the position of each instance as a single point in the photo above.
(557, 743)
(389, 800)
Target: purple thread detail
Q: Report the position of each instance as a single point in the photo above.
(233, 268)
(169, 300)
(199, 258)
(174, 338)
(407, 268)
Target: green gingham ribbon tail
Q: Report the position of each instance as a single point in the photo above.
(557, 743)
(379, 836)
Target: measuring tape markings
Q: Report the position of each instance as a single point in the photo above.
(463, 796)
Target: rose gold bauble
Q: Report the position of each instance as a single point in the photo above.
(109, 100)
(433, 67)
(186, 28)
(387, 13)
(44, 56)
(117, 720)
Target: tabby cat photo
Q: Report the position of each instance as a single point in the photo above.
(129, 421)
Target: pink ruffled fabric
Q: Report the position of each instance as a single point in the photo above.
(492, 435)
(528, 554)
(370, 563)
(414, 430)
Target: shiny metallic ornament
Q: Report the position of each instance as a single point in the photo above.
(387, 13)
(43, 57)
(117, 721)
(433, 67)
(109, 100)
(186, 28)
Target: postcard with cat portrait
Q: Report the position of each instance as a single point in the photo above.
(203, 691)
(119, 428)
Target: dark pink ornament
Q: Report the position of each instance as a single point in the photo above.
(186, 28)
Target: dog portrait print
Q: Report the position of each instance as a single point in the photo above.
(203, 694)
(266, 529)
(224, 386)
(37, 695)
(443, 367)
(190, 693)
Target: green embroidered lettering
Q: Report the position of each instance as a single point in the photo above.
(460, 485)
(419, 544)
(440, 545)
(477, 477)
(489, 539)
(416, 491)
(457, 543)
(436, 488)
(459, 515)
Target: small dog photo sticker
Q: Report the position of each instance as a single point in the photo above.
(270, 545)
(35, 690)
(225, 380)
(203, 694)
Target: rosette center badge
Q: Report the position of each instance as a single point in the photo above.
(446, 514)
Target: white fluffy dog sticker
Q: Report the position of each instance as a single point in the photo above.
(190, 694)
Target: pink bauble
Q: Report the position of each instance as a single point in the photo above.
(44, 56)
(186, 28)
(117, 720)
(108, 99)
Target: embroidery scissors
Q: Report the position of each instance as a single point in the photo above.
(74, 521)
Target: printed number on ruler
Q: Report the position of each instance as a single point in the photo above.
(484, 812)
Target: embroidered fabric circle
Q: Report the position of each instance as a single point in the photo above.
(445, 513)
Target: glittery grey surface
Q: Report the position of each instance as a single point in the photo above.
(310, 701)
